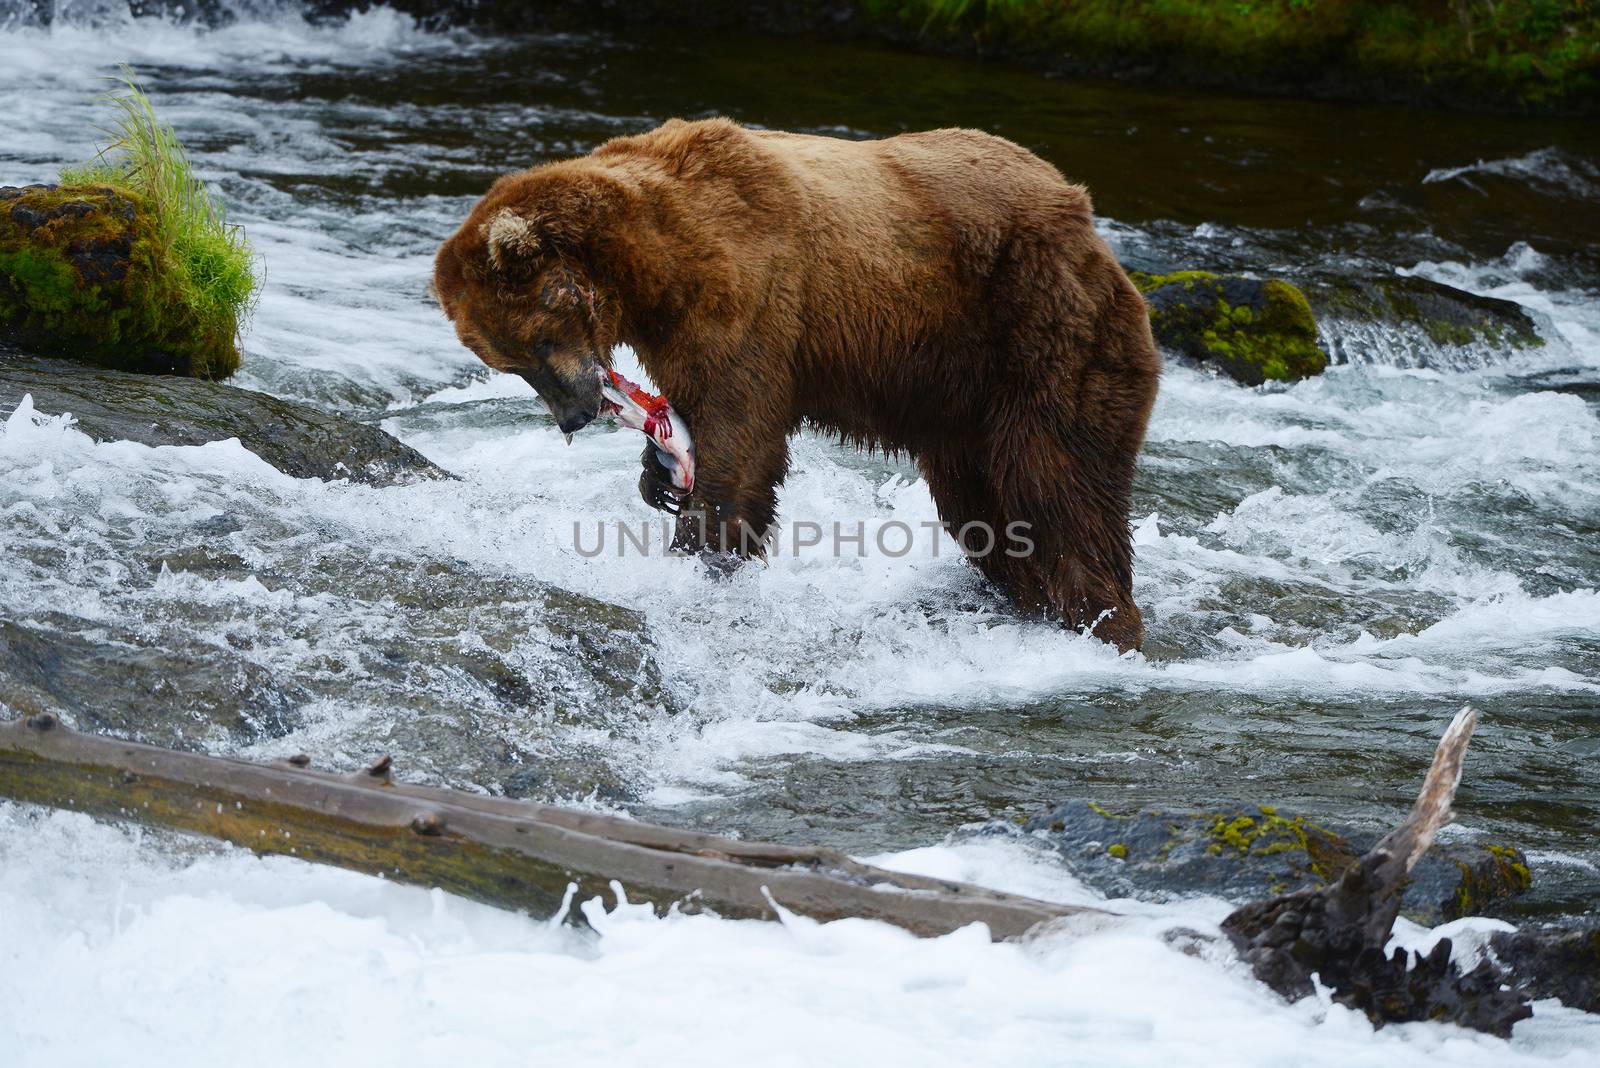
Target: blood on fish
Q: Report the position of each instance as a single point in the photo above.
(636, 408)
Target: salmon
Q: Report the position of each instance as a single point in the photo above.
(635, 408)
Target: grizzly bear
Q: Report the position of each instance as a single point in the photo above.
(940, 294)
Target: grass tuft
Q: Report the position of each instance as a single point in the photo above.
(211, 266)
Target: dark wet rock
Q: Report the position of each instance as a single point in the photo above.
(180, 692)
(168, 410)
(1579, 381)
(100, 259)
(1252, 852)
(1250, 329)
(1415, 322)
(1464, 879)
(1553, 964)
(28, 219)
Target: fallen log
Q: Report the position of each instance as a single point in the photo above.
(513, 854)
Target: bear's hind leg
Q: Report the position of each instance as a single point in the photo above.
(963, 492)
(1076, 374)
(1069, 493)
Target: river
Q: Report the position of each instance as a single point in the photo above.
(1328, 572)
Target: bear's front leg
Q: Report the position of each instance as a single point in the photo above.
(738, 468)
(720, 521)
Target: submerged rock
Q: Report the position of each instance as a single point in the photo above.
(166, 410)
(1254, 852)
(179, 692)
(85, 276)
(1415, 322)
(1252, 330)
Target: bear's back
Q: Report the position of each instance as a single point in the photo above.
(948, 171)
(950, 174)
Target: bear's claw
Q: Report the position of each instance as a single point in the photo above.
(655, 484)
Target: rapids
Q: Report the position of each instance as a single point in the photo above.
(1328, 571)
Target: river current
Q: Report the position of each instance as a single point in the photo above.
(1328, 571)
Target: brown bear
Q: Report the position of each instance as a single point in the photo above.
(942, 294)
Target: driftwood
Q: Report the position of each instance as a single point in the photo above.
(513, 854)
(1337, 933)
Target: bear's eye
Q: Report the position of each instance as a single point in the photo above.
(543, 348)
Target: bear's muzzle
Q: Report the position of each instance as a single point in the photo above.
(573, 402)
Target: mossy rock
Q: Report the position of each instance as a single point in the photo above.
(1417, 321)
(1465, 879)
(1252, 852)
(1253, 331)
(83, 276)
(295, 438)
(1240, 854)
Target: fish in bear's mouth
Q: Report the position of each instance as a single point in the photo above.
(653, 415)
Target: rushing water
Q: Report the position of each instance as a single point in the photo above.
(1328, 570)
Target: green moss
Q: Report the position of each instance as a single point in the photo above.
(1533, 52)
(1326, 853)
(133, 265)
(1238, 832)
(1118, 850)
(1104, 813)
(1273, 337)
(1462, 904)
(1505, 875)
(46, 284)
(1188, 279)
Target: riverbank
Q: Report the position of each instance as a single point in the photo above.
(1512, 55)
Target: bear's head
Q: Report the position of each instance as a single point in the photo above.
(515, 284)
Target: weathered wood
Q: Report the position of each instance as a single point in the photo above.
(1337, 934)
(513, 854)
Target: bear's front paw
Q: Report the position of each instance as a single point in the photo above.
(655, 485)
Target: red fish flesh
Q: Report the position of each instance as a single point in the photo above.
(635, 408)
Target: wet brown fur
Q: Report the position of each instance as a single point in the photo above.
(942, 294)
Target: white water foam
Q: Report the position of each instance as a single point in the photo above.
(142, 957)
(1544, 166)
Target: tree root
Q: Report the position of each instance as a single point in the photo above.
(1337, 934)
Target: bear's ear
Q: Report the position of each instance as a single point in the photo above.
(556, 212)
(509, 238)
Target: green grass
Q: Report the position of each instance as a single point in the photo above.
(1529, 52)
(210, 266)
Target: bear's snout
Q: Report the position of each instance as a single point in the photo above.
(573, 421)
(573, 402)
